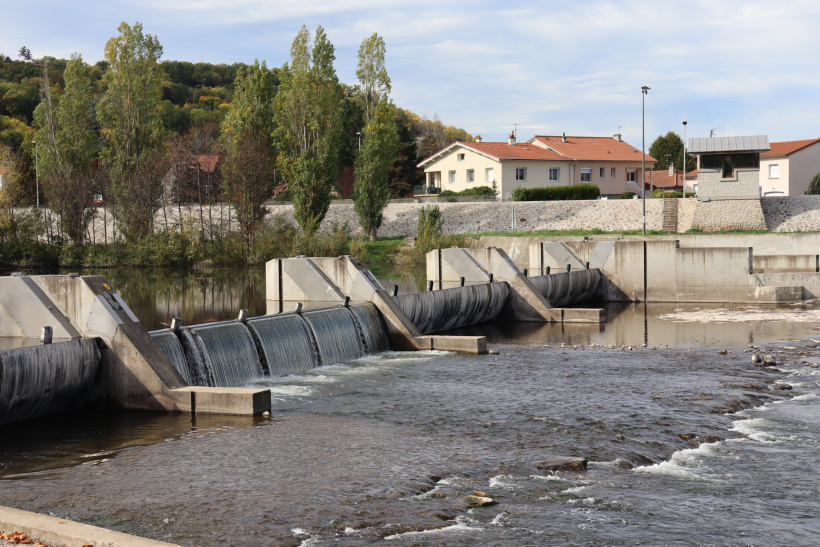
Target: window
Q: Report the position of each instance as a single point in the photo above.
(521, 173)
(612, 172)
(602, 172)
(555, 174)
(452, 177)
(630, 175)
(490, 174)
(461, 157)
(728, 162)
(586, 174)
(470, 175)
(774, 171)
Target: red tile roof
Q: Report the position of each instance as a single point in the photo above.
(786, 148)
(662, 178)
(592, 148)
(503, 151)
(206, 163)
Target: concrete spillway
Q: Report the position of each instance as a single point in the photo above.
(41, 380)
(235, 353)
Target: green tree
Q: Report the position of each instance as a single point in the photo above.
(669, 149)
(308, 135)
(405, 174)
(380, 140)
(814, 186)
(67, 148)
(131, 125)
(246, 136)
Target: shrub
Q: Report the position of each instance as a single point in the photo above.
(626, 195)
(429, 227)
(814, 186)
(557, 193)
(478, 191)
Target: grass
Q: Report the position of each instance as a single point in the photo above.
(380, 253)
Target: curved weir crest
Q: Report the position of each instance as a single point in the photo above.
(229, 354)
(447, 309)
(42, 380)
(285, 343)
(337, 335)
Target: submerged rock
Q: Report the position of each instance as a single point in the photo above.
(769, 361)
(562, 464)
(755, 358)
(479, 501)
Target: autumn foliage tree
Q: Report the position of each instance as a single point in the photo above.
(67, 149)
(380, 140)
(308, 136)
(132, 128)
(247, 167)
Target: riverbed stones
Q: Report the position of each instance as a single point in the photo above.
(769, 361)
(562, 464)
(755, 358)
(479, 501)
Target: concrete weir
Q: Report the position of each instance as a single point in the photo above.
(688, 269)
(311, 283)
(133, 371)
(531, 298)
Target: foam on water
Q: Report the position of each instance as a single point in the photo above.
(685, 464)
(463, 526)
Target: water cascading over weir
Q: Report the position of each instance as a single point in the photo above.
(101, 355)
(235, 353)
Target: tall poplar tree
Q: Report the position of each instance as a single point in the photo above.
(248, 167)
(308, 116)
(131, 125)
(380, 140)
(67, 148)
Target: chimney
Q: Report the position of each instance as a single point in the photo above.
(671, 169)
(478, 138)
(511, 139)
(564, 137)
(617, 137)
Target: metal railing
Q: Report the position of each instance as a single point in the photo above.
(424, 190)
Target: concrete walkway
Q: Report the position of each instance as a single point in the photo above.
(55, 531)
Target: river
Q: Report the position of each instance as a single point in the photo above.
(688, 441)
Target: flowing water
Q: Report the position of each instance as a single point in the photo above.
(688, 443)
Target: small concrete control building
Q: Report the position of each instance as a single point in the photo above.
(729, 167)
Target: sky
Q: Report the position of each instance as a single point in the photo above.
(543, 67)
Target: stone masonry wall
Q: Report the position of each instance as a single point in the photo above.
(779, 214)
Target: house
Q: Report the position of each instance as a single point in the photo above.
(670, 179)
(787, 169)
(609, 163)
(199, 180)
(729, 167)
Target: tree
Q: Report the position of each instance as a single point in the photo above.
(814, 186)
(25, 54)
(67, 148)
(248, 168)
(380, 140)
(308, 117)
(405, 174)
(15, 226)
(132, 129)
(669, 149)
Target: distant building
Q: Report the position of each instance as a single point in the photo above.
(729, 167)
(671, 179)
(787, 169)
(611, 164)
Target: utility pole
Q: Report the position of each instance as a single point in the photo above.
(644, 92)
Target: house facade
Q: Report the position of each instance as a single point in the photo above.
(611, 164)
(787, 169)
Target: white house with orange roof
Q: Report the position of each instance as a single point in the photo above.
(609, 163)
(787, 169)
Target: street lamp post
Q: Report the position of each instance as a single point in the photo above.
(36, 173)
(684, 158)
(644, 92)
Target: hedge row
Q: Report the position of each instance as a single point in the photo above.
(557, 193)
(478, 191)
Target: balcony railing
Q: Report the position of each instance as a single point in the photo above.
(424, 190)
